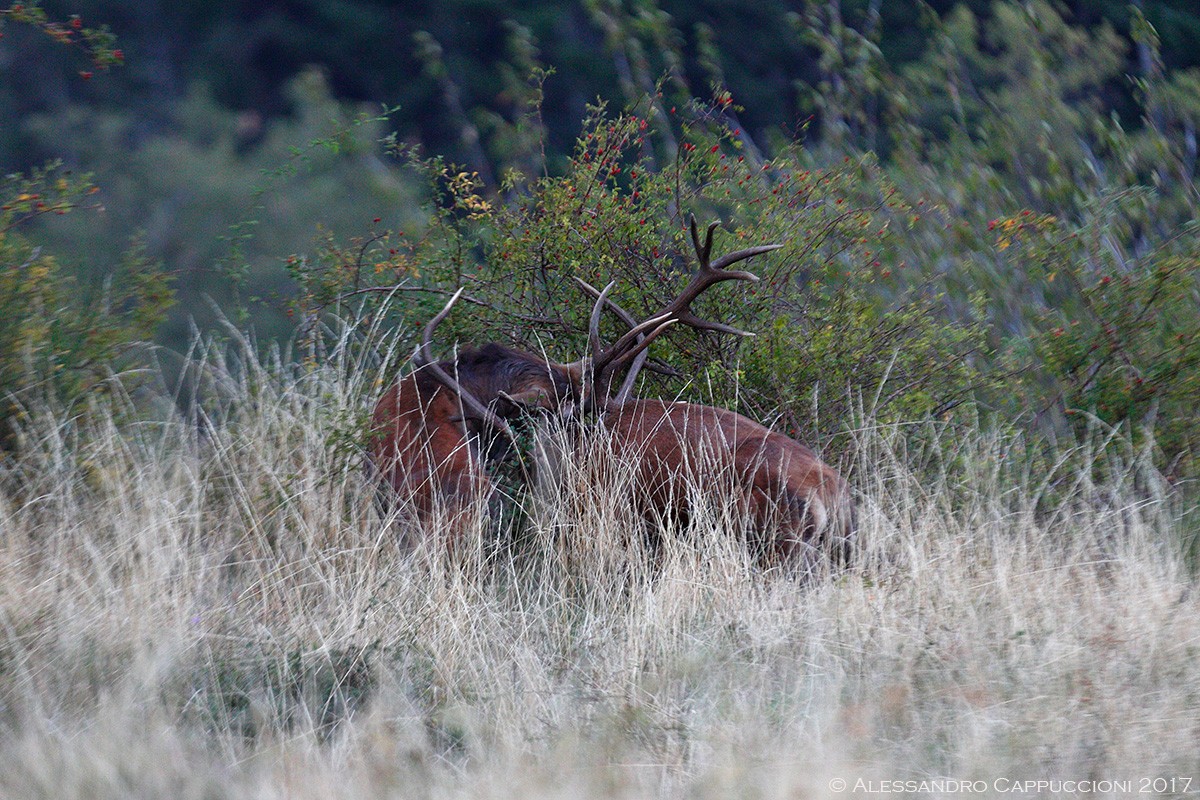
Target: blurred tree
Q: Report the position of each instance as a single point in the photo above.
(246, 54)
(221, 194)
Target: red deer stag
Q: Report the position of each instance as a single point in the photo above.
(431, 427)
(795, 501)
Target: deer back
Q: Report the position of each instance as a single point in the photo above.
(779, 484)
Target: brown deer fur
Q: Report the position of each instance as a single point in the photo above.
(790, 496)
(429, 450)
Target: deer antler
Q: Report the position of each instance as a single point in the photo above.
(423, 358)
(639, 360)
(709, 274)
(632, 345)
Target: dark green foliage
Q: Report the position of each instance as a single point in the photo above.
(246, 54)
(221, 198)
(905, 288)
(278, 689)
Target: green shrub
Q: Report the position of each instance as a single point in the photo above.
(59, 339)
(1121, 339)
(219, 196)
(828, 310)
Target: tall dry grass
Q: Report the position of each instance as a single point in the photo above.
(210, 605)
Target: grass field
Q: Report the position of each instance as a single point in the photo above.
(214, 608)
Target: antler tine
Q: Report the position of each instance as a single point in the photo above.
(594, 344)
(741, 255)
(703, 251)
(692, 321)
(625, 316)
(635, 369)
(649, 327)
(639, 360)
(603, 355)
(423, 358)
(642, 344)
